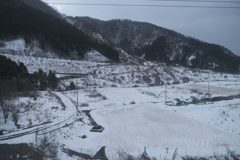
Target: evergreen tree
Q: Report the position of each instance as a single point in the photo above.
(23, 71)
(42, 80)
(52, 80)
(156, 52)
(72, 86)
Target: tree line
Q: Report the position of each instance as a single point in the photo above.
(15, 80)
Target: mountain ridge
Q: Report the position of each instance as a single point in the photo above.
(137, 39)
(21, 20)
(124, 41)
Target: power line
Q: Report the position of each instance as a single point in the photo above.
(201, 1)
(144, 5)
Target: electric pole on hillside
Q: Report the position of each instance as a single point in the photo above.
(77, 95)
(209, 84)
(239, 77)
(219, 78)
(165, 92)
(165, 87)
(36, 137)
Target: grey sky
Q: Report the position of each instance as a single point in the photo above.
(213, 25)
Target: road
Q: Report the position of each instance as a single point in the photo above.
(46, 128)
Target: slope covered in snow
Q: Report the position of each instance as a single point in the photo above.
(154, 43)
(128, 101)
(137, 117)
(106, 74)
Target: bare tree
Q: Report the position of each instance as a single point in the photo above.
(46, 146)
(15, 113)
(9, 92)
(6, 96)
(5, 108)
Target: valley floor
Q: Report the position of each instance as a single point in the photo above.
(137, 117)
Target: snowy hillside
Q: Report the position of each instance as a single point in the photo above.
(155, 43)
(128, 101)
(19, 47)
(105, 74)
(123, 55)
(118, 84)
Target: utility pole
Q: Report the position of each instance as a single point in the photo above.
(77, 93)
(165, 92)
(165, 87)
(239, 77)
(219, 78)
(209, 84)
(77, 98)
(36, 137)
(239, 82)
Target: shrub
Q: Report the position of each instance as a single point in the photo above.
(132, 102)
(104, 98)
(84, 105)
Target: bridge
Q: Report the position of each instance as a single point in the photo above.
(72, 75)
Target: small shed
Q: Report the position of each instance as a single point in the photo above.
(97, 128)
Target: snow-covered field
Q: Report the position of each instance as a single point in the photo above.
(132, 128)
(137, 117)
(133, 114)
(203, 128)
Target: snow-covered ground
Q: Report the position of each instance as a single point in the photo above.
(137, 117)
(117, 75)
(132, 128)
(133, 114)
(204, 128)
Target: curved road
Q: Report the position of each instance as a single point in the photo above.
(46, 128)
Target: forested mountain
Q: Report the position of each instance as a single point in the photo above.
(21, 20)
(155, 43)
(123, 41)
(39, 5)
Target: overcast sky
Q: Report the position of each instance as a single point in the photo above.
(214, 25)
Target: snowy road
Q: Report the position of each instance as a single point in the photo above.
(46, 128)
